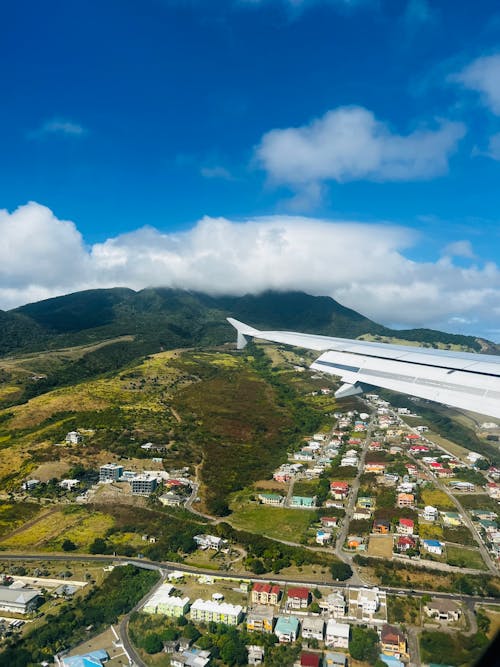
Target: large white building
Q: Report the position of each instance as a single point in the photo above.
(19, 600)
(110, 472)
(337, 634)
(219, 612)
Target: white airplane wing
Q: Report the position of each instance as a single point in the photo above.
(460, 379)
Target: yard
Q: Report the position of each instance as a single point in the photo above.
(380, 545)
(437, 498)
(275, 522)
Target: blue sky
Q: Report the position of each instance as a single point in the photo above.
(173, 126)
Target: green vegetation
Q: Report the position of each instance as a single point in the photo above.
(452, 649)
(119, 592)
(460, 557)
(364, 644)
(281, 523)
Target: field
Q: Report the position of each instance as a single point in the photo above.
(464, 557)
(438, 499)
(52, 527)
(430, 531)
(380, 546)
(277, 522)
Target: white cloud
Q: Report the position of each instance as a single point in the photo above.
(349, 143)
(362, 265)
(483, 76)
(494, 146)
(460, 249)
(60, 127)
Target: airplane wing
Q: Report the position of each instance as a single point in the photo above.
(459, 379)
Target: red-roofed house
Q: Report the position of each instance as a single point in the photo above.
(298, 598)
(329, 521)
(405, 527)
(406, 542)
(339, 490)
(265, 593)
(412, 437)
(310, 660)
(418, 449)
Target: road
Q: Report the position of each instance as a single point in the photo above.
(342, 534)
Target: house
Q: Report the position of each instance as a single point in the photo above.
(286, 629)
(430, 513)
(209, 542)
(90, 659)
(339, 490)
(355, 542)
(405, 542)
(19, 600)
(392, 641)
(334, 604)
(335, 659)
(433, 547)
(466, 487)
(451, 519)
(110, 472)
(361, 513)
(298, 597)
(313, 627)
(479, 515)
(375, 468)
(73, 438)
(337, 634)
(349, 462)
(391, 661)
(368, 599)
(193, 657)
(329, 521)
(69, 484)
(366, 502)
(309, 659)
(219, 612)
(323, 537)
(405, 500)
(381, 527)
(282, 476)
(171, 499)
(303, 502)
(444, 609)
(405, 527)
(271, 499)
(493, 490)
(260, 619)
(488, 526)
(265, 593)
(418, 449)
(255, 655)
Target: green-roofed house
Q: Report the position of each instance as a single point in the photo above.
(271, 499)
(286, 629)
(303, 502)
(366, 502)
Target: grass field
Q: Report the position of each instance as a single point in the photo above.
(438, 499)
(464, 557)
(380, 546)
(281, 523)
(430, 531)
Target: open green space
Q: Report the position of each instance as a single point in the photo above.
(462, 557)
(275, 522)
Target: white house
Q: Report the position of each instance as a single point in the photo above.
(433, 546)
(313, 627)
(337, 634)
(430, 513)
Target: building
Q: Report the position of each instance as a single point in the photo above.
(451, 519)
(193, 657)
(209, 542)
(265, 593)
(19, 600)
(366, 502)
(349, 462)
(309, 659)
(430, 513)
(405, 500)
(303, 501)
(443, 609)
(405, 527)
(73, 438)
(219, 612)
(69, 484)
(376, 468)
(381, 527)
(337, 634)
(260, 619)
(323, 537)
(405, 542)
(171, 499)
(110, 472)
(433, 547)
(255, 654)
(298, 597)
(286, 629)
(90, 659)
(329, 521)
(392, 641)
(335, 659)
(334, 604)
(313, 627)
(339, 490)
(271, 499)
(362, 513)
(143, 485)
(367, 599)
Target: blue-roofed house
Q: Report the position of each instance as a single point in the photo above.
(286, 628)
(391, 661)
(90, 659)
(433, 546)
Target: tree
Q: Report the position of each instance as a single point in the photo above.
(68, 545)
(98, 546)
(152, 643)
(341, 571)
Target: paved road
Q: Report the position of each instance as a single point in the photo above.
(342, 534)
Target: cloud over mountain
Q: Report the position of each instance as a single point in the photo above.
(363, 266)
